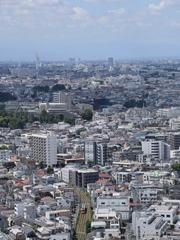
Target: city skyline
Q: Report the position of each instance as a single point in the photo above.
(89, 29)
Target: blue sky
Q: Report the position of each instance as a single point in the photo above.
(89, 29)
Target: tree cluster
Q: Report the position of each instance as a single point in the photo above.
(41, 88)
(18, 119)
(15, 120)
(176, 166)
(58, 87)
(87, 115)
(134, 103)
(4, 97)
(46, 117)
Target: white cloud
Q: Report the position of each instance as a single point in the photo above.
(104, 1)
(158, 7)
(117, 12)
(80, 14)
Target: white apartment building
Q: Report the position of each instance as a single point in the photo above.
(95, 152)
(26, 210)
(169, 112)
(175, 124)
(4, 154)
(44, 148)
(66, 171)
(106, 205)
(29, 212)
(175, 153)
(19, 209)
(101, 153)
(158, 149)
(62, 97)
(148, 195)
(147, 224)
(90, 151)
(167, 211)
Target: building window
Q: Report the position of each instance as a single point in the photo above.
(167, 215)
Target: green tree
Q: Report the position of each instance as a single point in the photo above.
(88, 226)
(4, 147)
(43, 116)
(50, 170)
(90, 163)
(176, 166)
(16, 123)
(87, 115)
(41, 165)
(69, 120)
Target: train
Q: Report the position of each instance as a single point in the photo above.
(83, 208)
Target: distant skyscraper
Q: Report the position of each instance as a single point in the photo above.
(37, 61)
(110, 62)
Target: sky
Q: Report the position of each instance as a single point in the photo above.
(89, 29)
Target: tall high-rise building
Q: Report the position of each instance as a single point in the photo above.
(158, 149)
(175, 141)
(95, 152)
(44, 148)
(110, 62)
(101, 151)
(90, 152)
(62, 97)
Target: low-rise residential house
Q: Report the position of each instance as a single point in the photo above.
(44, 233)
(50, 215)
(63, 236)
(42, 209)
(62, 202)
(17, 233)
(113, 232)
(118, 203)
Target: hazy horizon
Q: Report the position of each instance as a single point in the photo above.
(89, 29)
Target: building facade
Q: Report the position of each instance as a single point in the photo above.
(44, 148)
(62, 97)
(158, 149)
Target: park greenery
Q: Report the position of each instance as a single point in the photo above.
(19, 118)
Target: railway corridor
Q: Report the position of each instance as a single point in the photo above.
(81, 223)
